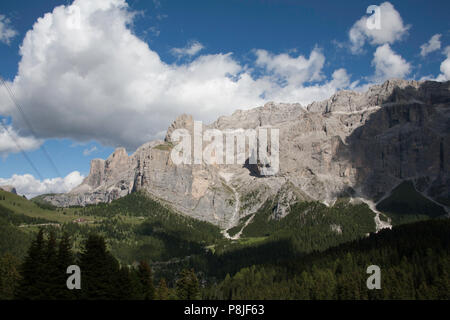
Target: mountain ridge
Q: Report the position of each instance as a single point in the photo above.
(352, 144)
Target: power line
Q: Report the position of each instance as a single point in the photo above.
(30, 127)
(22, 151)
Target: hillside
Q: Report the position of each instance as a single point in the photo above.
(285, 251)
(30, 208)
(414, 260)
(406, 204)
(139, 228)
(136, 227)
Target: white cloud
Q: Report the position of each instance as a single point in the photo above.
(388, 64)
(294, 70)
(432, 45)
(190, 50)
(392, 29)
(293, 92)
(445, 67)
(88, 151)
(7, 33)
(84, 75)
(12, 142)
(30, 186)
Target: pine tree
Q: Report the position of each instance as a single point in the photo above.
(65, 258)
(50, 272)
(305, 286)
(162, 292)
(99, 270)
(32, 286)
(124, 284)
(146, 279)
(188, 287)
(9, 276)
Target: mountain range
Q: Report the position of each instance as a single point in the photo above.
(356, 145)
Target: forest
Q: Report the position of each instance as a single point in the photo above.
(136, 248)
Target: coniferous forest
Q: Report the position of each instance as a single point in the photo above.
(165, 256)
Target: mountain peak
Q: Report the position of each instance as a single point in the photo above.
(367, 142)
(183, 121)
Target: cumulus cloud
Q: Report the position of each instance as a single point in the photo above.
(292, 92)
(190, 50)
(7, 32)
(31, 187)
(392, 29)
(84, 75)
(445, 67)
(12, 142)
(294, 70)
(432, 45)
(388, 64)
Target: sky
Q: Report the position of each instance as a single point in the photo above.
(83, 77)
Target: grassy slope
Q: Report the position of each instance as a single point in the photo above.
(140, 228)
(21, 205)
(13, 240)
(312, 217)
(406, 205)
(136, 227)
(307, 228)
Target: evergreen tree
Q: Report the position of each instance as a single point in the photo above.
(65, 258)
(124, 284)
(146, 279)
(188, 286)
(32, 286)
(9, 276)
(136, 286)
(99, 270)
(162, 292)
(50, 272)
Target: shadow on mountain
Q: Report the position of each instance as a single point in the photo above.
(408, 138)
(252, 168)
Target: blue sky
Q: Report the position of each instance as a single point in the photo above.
(122, 75)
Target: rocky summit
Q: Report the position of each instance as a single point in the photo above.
(359, 145)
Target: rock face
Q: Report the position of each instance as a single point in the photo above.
(8, 189)
(357, 144)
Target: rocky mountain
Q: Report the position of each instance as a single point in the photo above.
(8, 188)
(353, 144)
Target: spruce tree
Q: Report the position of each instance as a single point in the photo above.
(99, 270)
(146, 279)
(31, 286)
(50, 272)
(9, 276)
(124, 284)
(162, 292)
(65, 258)
(188, 287)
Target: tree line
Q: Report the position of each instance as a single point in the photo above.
(414, 261)
(43, 274)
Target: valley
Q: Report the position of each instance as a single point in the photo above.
(137, 228)
(344, 197)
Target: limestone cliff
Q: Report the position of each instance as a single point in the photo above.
(358, 144)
